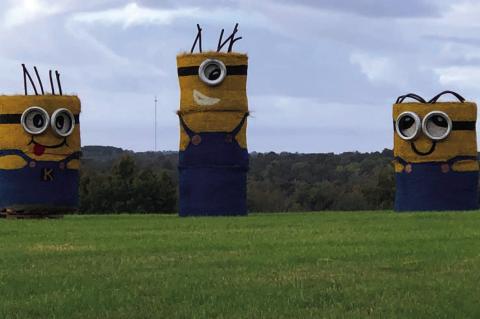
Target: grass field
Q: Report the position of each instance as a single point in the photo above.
(310, 265)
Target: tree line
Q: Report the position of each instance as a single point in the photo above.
(118, 181)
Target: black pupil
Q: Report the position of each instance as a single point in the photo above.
(439, 121)
(213, 72)
(60, 122)
(38, 121)
(406, 122)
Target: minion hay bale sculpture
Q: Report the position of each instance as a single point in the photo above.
(435, 151)
(213, 157)
(39, 151)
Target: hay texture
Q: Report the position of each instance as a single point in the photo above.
(213, 158)
(38, 172)
(437, 175)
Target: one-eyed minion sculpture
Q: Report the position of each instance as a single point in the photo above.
(435, 149)
(39, 149)
(213, 158)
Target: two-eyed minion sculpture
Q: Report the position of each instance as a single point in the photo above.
(39, 150)
(213, 157)
(435, 151)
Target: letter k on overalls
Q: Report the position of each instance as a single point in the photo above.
(48, 174)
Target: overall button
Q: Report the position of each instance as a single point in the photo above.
(32, 164)
(61, 165)
(196, 139)
(229, 138)
(408, 168)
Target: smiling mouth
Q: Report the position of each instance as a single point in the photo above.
(39, 149)
(203, 100)
(430, 151)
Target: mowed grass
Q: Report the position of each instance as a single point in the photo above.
(308, 265)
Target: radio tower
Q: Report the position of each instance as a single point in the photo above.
(155, 148)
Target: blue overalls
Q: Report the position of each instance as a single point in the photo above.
(213, 174)
(434, 186)
(40, 184)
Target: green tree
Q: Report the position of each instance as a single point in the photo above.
(153, 193)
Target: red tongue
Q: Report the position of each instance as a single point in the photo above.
(38, 149)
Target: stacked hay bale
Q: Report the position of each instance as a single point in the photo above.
(39, 151)
(213, 158)
(435, 149)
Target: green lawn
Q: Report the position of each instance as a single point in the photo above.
(310, 265)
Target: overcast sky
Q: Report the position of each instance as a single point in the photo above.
(322, 73)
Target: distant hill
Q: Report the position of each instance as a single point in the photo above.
(276, 182)
(102, 152)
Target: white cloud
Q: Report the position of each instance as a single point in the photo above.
(379, 70)
(462, 14)
(24, 11)
(460, 76)
(133, 14)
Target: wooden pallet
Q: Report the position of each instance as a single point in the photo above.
(21, 214)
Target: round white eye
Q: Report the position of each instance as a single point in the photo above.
(63, 122)
(35, 120)
(408, 125)
(437, 125)
(212, 72)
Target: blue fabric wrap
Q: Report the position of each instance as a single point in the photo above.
(26, 186)
(427, 188)
(213, 191)
(213, 175)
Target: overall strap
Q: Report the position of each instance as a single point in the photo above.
(400, 160)
(451, 161)
(15, 152)
(189, 132)
(237, 129)
(74, 155)
(462, 158)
